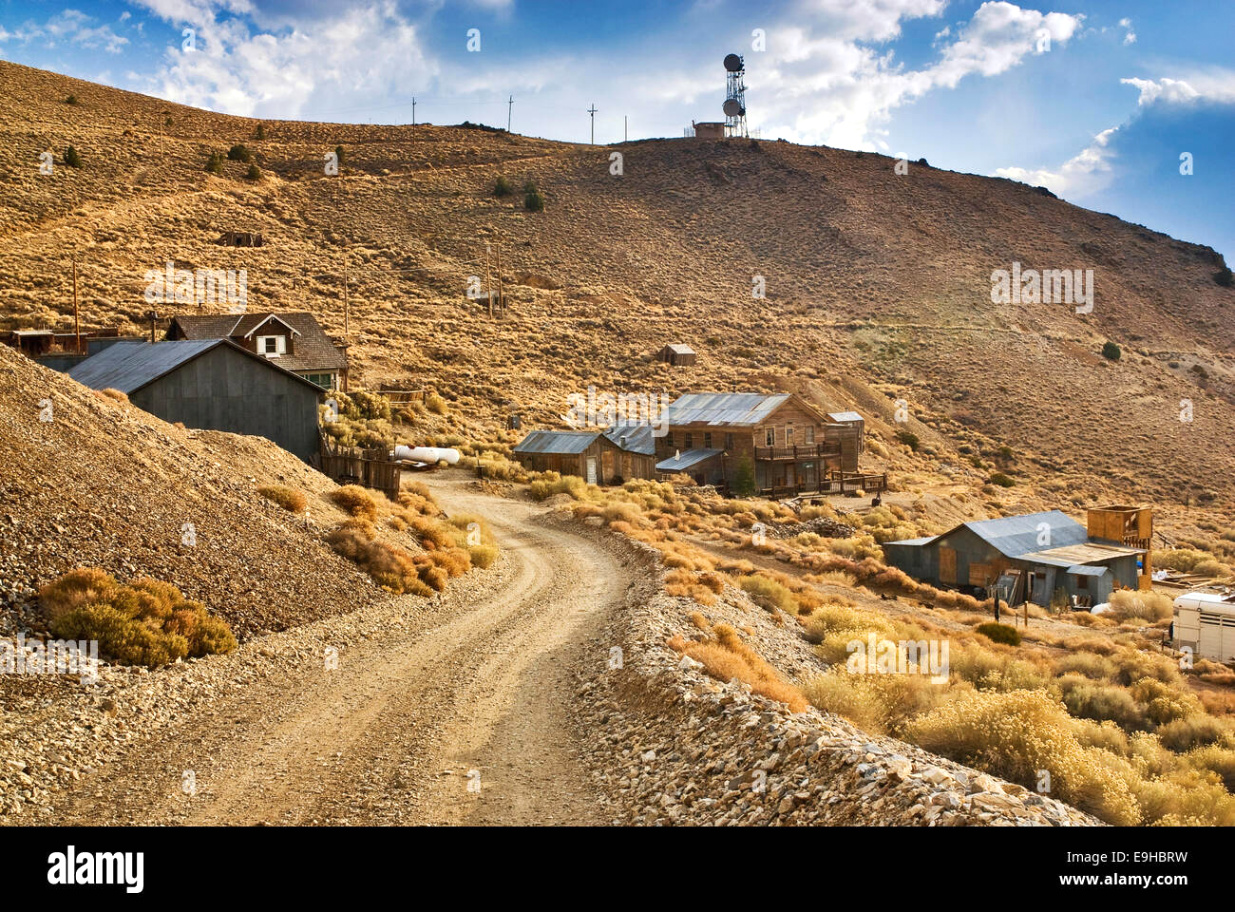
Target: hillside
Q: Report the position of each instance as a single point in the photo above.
(107, 485)
(878, 284)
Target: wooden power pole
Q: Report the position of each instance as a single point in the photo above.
(76, 316)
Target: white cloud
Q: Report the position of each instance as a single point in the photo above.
(348, 60)
(1084, 173)
(69, 25)
(1213, 85)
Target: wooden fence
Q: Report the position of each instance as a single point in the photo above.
(372, 468)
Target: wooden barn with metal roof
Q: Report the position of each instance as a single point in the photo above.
(1032, 557)
(213, 385)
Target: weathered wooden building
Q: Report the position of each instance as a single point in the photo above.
(851, 420)
(677, 354)
(588, 454)
(214, 385)
(1032, 557)
(789, 444)
(636, 444)
(295, 340)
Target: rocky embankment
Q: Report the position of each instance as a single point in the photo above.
(670, 745)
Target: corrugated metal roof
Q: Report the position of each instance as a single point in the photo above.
(913, 542)
(724, 409)
(563, 443)
(1014, 536)
(128, 366)
(845, 416)
(684, 461)
(679, 349)
(1082, 570)
(639, 438)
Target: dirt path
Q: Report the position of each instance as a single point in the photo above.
(477, 691)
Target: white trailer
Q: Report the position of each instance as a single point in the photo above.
(1205, 624)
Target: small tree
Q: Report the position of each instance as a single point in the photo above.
(239, 153)
(71, 158)
(1111, 351)
(1224, 278)
(167, 121)
(503, 187)
(260, 132)
(909, 439)
(254, 173)
(533, 200)
(214, 164)
(72, 99)
(744, 477)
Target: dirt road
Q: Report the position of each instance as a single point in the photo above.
(419, 714)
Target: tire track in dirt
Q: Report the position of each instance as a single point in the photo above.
(482, 683)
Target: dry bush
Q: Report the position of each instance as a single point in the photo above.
(390, 567)
(483, 556)
(1086, 699)
(113, 394)
(768, 594)
(1198, 730)
(726, 657)
(288, 498)
(1150, 606)
(355, 500)
(1087, 664)
(1017, 734)
(144, 623)
(1165, 702)
(550, 483)
(877, 703)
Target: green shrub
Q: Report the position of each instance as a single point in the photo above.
(260, 132)
(909, 439)
(503, 187)
(1000, 633)
(1111, 351)
(999, 478)
(340, 155)
(214, 164)
(744, 477)
(533, 199)
(72, 158)
(254, 173)
(1224, 278)
(72, 100)
(239, 153)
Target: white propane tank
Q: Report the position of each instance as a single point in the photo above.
(431, 455)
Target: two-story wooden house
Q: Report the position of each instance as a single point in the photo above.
(789, 444)
(294, 341)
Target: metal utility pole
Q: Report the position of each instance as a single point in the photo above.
(488, 286)
(347, 310)
(76, 320)
(501, 298)
(413, 118)
(592, 111)
(625, 132)
(509, 105)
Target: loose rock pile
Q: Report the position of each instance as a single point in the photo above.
(672, 745)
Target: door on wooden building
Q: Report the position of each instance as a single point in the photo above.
(947, 565)
(591, 470)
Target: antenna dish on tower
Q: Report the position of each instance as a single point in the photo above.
(735, 96)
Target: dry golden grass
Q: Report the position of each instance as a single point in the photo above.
(288, 498)
(726, 657)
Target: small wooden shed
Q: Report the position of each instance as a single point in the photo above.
(588, 454)
(677, 354)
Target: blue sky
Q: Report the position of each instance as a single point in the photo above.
(1095, 100)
